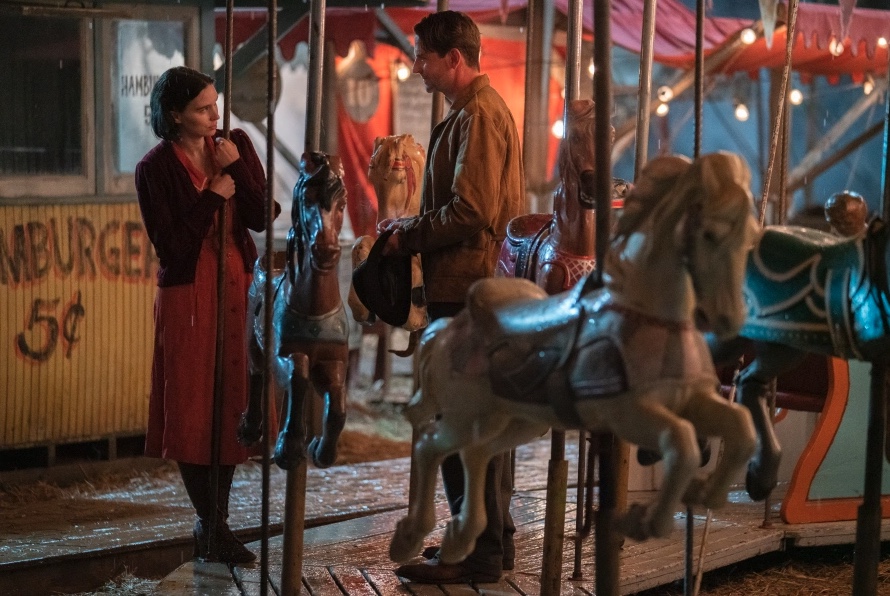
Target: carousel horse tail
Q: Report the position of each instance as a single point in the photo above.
(413, 340)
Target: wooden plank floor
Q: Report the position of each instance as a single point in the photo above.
(52, 544)
(350, 557)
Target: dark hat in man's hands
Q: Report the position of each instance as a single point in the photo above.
(383, 283)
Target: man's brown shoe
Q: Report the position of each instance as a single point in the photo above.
(436, 572)
(431, 552)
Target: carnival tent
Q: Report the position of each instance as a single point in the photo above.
(819, 50)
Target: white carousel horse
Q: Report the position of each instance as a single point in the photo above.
(626, 357)
(396, 171)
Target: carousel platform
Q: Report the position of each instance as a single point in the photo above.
(62, 545)
(350, 557)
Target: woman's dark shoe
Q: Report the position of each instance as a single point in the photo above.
(228, 548)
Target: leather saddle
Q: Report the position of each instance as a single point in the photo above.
(541, 349)
(525, 234)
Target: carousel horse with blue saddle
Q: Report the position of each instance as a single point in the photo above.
(309, 341)
(807, 292)
(617, 357)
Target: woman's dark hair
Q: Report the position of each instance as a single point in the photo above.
(447, 30)
(172, 93)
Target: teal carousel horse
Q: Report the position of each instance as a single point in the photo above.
(806, 291)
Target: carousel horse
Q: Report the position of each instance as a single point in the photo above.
(396, 171)
(310, 333)
(625, 358)
(556, 250)
(807, 291)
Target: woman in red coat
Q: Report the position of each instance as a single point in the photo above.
(181, 184)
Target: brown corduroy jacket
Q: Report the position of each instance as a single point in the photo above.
(473, 185)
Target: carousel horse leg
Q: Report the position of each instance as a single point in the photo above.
(291, 441)
(753, 385)
(323, 449)
(410, 531)
(656, 427)
(714, 416)
(462, 531)
(250, 429)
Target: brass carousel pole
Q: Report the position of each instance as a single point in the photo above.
(268, 294)
(219, 365)
(295, 496)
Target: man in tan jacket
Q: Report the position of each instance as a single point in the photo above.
(473, 186)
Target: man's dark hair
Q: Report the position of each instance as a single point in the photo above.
(172, 93)
(446, 30)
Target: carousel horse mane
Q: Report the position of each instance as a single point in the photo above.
(399, 156)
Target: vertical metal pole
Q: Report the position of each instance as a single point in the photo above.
(868, 520)
(314, 87)
(783, 99)
(608, 542)
(539, 39)
(268, 295)
(295, 491)
(688, 577)
(644, 94)
(219, 365)
(557, 468)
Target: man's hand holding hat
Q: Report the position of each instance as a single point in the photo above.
(394, 244)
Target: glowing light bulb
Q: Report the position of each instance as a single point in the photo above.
(741, 113)
(662, 109)
(795, 97)
(882, 42)
(748, 36)
(665, 94)
(836, 47)
(868, 85)
(558, 129)
(403, 72)
(592, 68)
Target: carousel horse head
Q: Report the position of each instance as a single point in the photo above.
(396, 171)
(313, 243)
(704, 208)
(576, 159)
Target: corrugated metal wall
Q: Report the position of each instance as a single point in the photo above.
(77, 287)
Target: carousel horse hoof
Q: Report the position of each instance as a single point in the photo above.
(640, 524)
(760, 481)
(249, 432)
(323, 454)
(405, 542)
(288, 452)
(701, 492)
